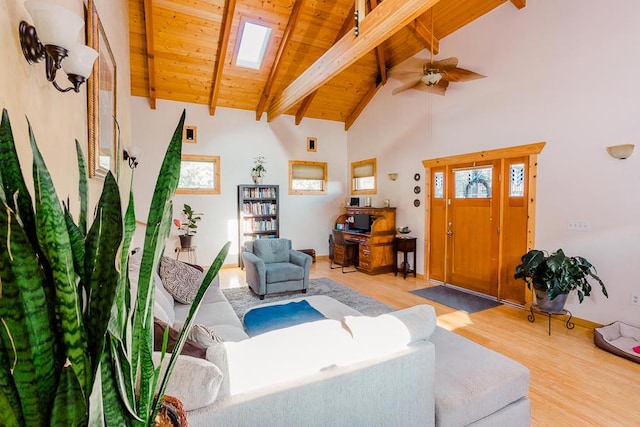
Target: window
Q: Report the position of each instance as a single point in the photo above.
(438, 185)
(307, 177)
(254, 39)
(363, 177)
(473, 183)
(199, 175)
(516, 180)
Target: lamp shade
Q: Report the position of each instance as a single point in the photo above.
(80, 60)
(620, 151)
(55, 25)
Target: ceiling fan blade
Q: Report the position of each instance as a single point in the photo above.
(461, 75)
(408, 85)
(438, 89)
(445, 63)
(411, 64)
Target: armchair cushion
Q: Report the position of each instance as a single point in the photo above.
(283, 272)
(272, 250)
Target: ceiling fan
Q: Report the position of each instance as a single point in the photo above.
(431, 76)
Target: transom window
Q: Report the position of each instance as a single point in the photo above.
(307, 177)
(363, 177)
(473, 183)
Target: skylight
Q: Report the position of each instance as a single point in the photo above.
(253, 44)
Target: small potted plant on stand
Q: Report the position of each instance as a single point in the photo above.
(554, 276)
(258, 170)
(188, 228)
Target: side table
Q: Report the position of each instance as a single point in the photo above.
(404, 244)
(190, 253)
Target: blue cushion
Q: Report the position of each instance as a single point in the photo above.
(264, 319)
(283, 272)
(272, 250)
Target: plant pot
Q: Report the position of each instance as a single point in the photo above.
(185, 241)
(257, 179)
(544, 304)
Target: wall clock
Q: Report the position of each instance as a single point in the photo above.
(416, 203)
(416, 177)
(416, 189)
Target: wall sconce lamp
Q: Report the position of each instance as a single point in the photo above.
(621, 151)
(57, 36)
(132, 155)
(393, 176)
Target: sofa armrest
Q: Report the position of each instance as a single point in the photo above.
(304, 261)
(256, 272)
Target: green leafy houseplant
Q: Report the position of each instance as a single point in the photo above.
(557, 274)
(188, 228)
(75, 347)
(258, 166)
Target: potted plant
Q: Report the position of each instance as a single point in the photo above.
(258, 170)
(554, 276)
(188, 228)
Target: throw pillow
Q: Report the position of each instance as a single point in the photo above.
(204, 335)
(180, 279)
(190, 347)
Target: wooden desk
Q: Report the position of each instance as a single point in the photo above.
(375, 249)
(405, 244)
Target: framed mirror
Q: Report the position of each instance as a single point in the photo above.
(101, 103)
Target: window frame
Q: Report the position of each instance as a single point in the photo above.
(325, 169)
(215, 160)
(360, 163)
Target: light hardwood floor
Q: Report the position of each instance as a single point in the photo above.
(573, 383)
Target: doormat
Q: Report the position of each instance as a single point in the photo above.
(454, 298)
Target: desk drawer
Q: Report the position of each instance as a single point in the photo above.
(364, 265)
(365, 253)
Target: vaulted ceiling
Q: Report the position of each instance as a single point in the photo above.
(314, 66)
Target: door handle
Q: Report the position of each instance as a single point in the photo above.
(449, 232)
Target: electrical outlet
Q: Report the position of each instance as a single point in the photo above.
(635, 298)
(579, 225)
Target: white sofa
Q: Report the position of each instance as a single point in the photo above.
(347, 370)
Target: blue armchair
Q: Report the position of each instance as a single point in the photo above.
(272, 266)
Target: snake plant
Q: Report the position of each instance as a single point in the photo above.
(75, 347)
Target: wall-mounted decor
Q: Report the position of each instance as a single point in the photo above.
(189, 135)
(416, 189)
(416, 203)
(416, 177)
(312, 144)
(101, 105)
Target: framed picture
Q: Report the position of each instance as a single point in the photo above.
(101, 103)
(189, 135)
(312, 144)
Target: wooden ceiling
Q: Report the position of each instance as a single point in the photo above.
(183, 50)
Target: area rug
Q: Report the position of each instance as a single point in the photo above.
(242, 299)
(456, 299)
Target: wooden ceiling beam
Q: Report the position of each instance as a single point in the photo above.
(151, 68)
(284, 45)
(382, 61)
(347, 25)
(383, 22)
(519, 3)
(422, 30)
(362, 105)
(227, 21)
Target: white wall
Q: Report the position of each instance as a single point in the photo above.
(58, 119)
(238, 138)
(561, 72)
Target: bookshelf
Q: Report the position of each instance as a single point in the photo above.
(258, 214)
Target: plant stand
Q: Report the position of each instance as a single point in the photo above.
(536, 309)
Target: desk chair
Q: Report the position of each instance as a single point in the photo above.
(345, 254)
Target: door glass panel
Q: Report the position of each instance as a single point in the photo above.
(473, 183)
(438, 185)
(516, 181)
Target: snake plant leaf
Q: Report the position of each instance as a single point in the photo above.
(77, 239)
(83, 189)
(123, 377)
(159, 220)
(9, 398)
(193, 311)
(13, 181)
(102, 244)
(69, 406)
(115, 408)
(56, 246)
(26, 329)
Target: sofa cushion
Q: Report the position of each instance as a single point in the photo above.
(202, 334)
(195, 382)
(283, 272)
(164, 300)
(180, 279)
(190, 347)
(272, 250)
(472, 381)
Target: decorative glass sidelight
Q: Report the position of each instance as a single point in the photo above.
(473, 183)
(516, 180)
(438, 185)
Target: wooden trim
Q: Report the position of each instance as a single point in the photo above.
(382, 23)
(216, 179)
(380, 56)
(423, 32)
(284, 44)
(325, 168)
(347, 25)
(151, 68)
(361, 105)
(517, 151)
(519, 3)
(227, 22)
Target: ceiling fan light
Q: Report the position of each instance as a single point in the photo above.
(431, 78)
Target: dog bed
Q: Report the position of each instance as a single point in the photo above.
(620, 339)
